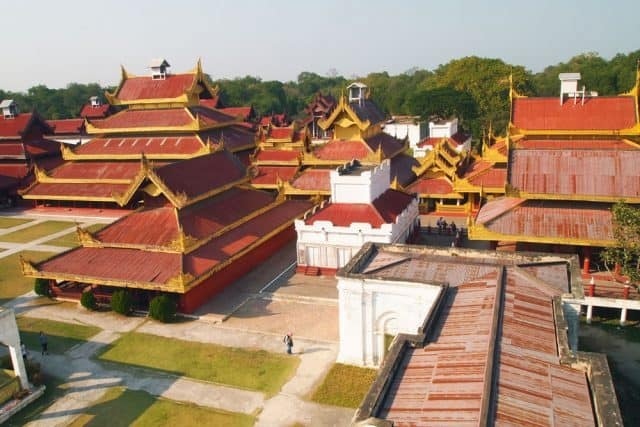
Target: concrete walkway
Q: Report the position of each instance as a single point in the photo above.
(86, 380)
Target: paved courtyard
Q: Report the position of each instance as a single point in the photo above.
(254, 313)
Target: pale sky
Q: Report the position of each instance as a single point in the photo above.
(58, 42)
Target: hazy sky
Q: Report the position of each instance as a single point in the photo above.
(58, 42)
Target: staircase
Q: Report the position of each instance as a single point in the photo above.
(311, 271)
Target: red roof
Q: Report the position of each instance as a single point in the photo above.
(269, 175)
(135, 229)
(547, 219)
(131, 265)
(16, 126)
(402, 168)
(139, 88)
(66, 126)
(211, 117)
(234, 137)
(242, 112)
(281, 133)
(180, 144)
(597, 113)
(574, 144)
(145, 118)
(456, 139)
(211, 103)
(425, 185)
(94, 112)
(11, 174)
(384, 210)
(42, 147)
(199, 175)
(605, 173)
(388, 144)
(494, 177)
(342, 150)
(278, 156)
(222, 248)
(313, 180)
(97, 170)
(65, 190)
(12, 149)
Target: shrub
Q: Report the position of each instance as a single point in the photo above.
(41, 287)
(162, 308)
(121, 302)
(88, 300)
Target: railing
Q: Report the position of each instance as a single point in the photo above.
(442, 208)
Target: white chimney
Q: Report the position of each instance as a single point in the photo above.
(9, 108)
(569, 86)
(158, 68)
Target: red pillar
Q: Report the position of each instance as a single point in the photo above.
(625, 292)
(586, 265)
(617, 269)
(591, 289)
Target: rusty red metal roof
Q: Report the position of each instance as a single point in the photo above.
(145, 118)
(437, 185)
(97, 170)
(149, 145)
(269, 175)
(197, 176)
(234, 137)
(459, 373)
(65, 190)
(94, 112)
(281, 133)
(150, 227)
(384, 210)
(12, 149)
(242, 112)
(605, 173)
(278, 156)
(494, 177)
(222, 248)
(130, 265)
(139, 88)
(210, 117)
(547, 219)
(15, 126)
(342, 150)
(313, 179)
(574, 144)
(66, 126)
(212, 103)
(597, 113)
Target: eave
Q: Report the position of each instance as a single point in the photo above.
(343, 107)
(574, 197)
(480, 232)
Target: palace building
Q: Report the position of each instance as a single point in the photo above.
(186, 241)
(570, 158)
(161, 117)
(24, 148)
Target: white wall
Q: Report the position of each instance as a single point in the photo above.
(369, 309)
(360, 187)
(444, 129)
(10, 337)
(414, 132)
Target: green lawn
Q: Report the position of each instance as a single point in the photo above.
(6, 222)
(71, 240)
(54, 390)
(237, 367)
(345, 386)
(35, 232)
(138, 408)
(12, 282)
(61, 336)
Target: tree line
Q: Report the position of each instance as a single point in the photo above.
(472, 88)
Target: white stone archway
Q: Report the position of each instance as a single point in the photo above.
(387, 324)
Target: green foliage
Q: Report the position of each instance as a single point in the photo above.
(122, 302)
(162, 308)
(61, 103)
(88, 300)
(626, 232)
(41, 287)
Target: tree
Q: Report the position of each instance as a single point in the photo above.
(88, 300)
(444, 102)
(626, 232)
(162, 308)
(121, 302)
(41, 287)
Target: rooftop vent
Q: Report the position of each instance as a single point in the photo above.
(95, 101)
(569, 87)
(159, 68)
(9, 108)
(357, 92)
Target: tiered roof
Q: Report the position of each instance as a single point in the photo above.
(578, 150)
(180, 243)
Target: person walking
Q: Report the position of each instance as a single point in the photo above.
(23, 349)
(43, 343)
(288, 341)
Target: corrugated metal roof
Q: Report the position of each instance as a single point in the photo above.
(269, 175)
(14, 126)
(55, 190)
(342, 150)
(149, 145)
(94, 112)
(139, 88)
(547, 219)
(97, 170)
(313, 179)
(278, 156)
(574, 144)
(66, 126)
(145, 118)
(597, 113)
(431, 186)
(608, 173)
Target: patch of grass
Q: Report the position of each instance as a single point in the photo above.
(6, 222)
(249, 369)
(138, 408)
(12, 282)
(345, 386)
(71, 240)
(35, 232)
(61, 336)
